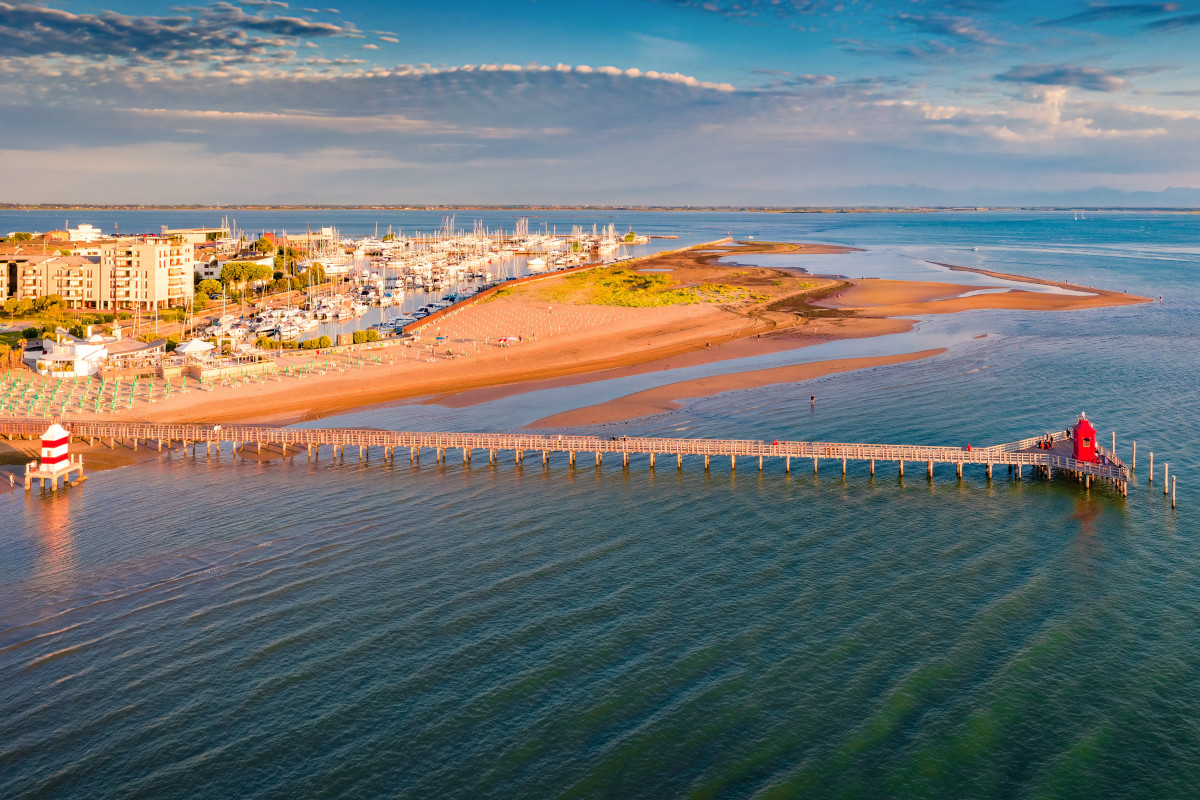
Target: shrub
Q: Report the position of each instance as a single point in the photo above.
(124, 315)
(369, 335)
(31, 333)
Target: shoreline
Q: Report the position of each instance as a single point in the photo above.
(568, 342)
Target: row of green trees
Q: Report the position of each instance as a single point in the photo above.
(267, 343)
(50, 305)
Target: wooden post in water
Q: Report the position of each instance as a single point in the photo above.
(787, 465)
(1151, 473)
(706, 462)
(1173, 479)
(1133, 464)
(929, 470)
(760, 463)
(872, 468)
(598, 455)
(814, 465)
(652, 460)
(679, 461)
(545, 458)
(732, 463)
(1166, 478)
(901, 469)
(989, 470)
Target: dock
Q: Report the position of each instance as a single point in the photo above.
(1017, 457)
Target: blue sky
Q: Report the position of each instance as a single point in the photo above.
(779, 102)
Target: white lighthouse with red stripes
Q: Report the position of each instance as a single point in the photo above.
(54, 448)
(56, 461)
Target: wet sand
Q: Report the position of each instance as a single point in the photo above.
(664, 398)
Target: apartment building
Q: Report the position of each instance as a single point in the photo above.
(145, 272)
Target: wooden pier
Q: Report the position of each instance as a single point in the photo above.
(1016, 456)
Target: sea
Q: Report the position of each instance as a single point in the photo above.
(209, 628)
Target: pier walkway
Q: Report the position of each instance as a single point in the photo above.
(1015, 455)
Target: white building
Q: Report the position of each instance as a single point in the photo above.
(85, 233)
(65, 356)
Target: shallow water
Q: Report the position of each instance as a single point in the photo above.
(212, 628)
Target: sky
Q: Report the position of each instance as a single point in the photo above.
(771, 102)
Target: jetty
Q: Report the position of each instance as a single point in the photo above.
(1044, 456)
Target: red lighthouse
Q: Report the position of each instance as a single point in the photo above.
(1084, 440)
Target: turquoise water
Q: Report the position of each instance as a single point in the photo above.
(211, 628)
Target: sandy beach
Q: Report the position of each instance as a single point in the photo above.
(559, 334)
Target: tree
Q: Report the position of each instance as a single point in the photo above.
(10, 308)
(316, 274)
(391, 237)
(243, 271)
(200, 301)
(209, 287)
(234, 272)
(259, 273)
(264, 245)
(24, 307)
(23, 236)
(364, 336)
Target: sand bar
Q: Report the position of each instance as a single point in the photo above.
(663, 398)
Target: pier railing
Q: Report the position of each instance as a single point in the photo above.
(1014, 454)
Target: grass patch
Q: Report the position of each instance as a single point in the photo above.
(496, 295)
(620, 287)
(725, 293)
